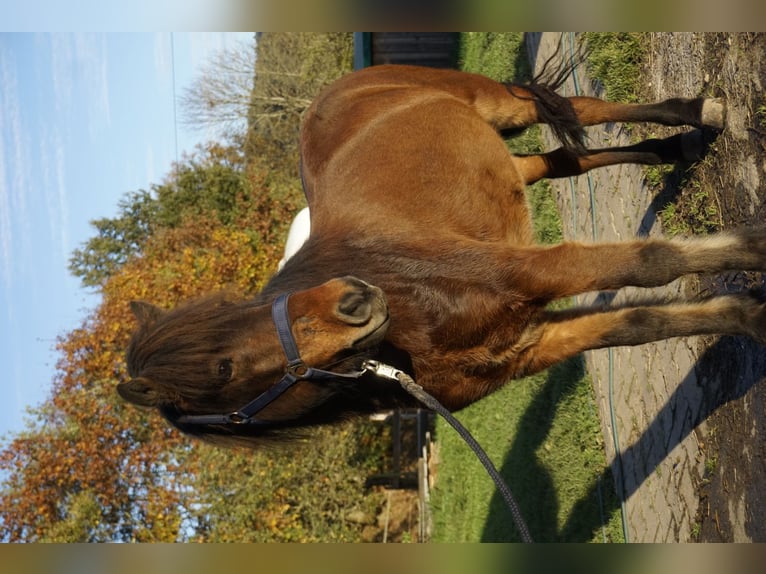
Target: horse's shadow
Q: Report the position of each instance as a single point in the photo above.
(725, 372)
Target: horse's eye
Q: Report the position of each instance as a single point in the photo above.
(225, 370)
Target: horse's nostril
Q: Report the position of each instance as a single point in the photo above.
(355, 307)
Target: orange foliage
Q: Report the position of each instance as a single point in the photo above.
(85, 440)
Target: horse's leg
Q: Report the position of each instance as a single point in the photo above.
(697, 112)
(563, 334)
(566, 163)
(508, 106)
(566, 116)
(548, 105)
(547, 273)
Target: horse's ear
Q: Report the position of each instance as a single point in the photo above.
(146, 313)
(139, 391)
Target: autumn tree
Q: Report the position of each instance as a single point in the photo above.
(291, 69)
(268, 84)
(92, 468)
(95, 469)
(312, 491)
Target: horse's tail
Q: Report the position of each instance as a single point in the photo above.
(553, 109)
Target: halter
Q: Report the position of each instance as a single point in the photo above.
(296, 371)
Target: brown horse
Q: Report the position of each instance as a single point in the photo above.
(421, 255)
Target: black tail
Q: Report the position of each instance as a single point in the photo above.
(558, 113)
(553, 109)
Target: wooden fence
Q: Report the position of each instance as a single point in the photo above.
(434, 49)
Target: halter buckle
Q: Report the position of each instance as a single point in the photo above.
(238, 418)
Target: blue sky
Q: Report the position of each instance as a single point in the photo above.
(84, 118)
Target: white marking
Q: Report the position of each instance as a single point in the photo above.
(299, 232)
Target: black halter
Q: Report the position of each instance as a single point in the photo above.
(296, 371)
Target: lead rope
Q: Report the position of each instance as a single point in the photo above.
(409, 385)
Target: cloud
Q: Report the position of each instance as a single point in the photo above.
(59, 213)
(6, 237)
(150, 163)
(14, 168)
(52, 168)
(61, 73)
(90, 64)
(79, 81)
(163, 57)
(80, 69)
(91, 56)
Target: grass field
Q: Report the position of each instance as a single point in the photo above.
(542, 432)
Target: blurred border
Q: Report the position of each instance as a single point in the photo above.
(331, 15)
(377, 15)
(384, 559)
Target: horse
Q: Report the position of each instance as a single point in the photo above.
(421, 256)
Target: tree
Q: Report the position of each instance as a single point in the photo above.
(220, 97)
(90, 468)
(116, 240)
(84, 449)
(303, 493)
(93, 468)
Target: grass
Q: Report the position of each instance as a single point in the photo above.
(615, 59)
(697, 215)
(542, 432)
(544, 436)
(694, 209)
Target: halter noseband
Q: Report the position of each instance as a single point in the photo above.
(296, 371)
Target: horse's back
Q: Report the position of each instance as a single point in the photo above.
(400, 151)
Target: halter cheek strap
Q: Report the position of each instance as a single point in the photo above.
(296, 371)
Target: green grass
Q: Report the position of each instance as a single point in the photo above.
(615, 59)
(497, 55)
(542, 432)
(696, 214)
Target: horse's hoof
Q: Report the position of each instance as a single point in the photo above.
(714, 113)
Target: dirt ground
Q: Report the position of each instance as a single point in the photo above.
(725, 190)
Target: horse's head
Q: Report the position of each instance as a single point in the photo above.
(213, 355)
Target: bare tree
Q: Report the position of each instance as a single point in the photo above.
(221, 95)
(255, 94)
(262, 83)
